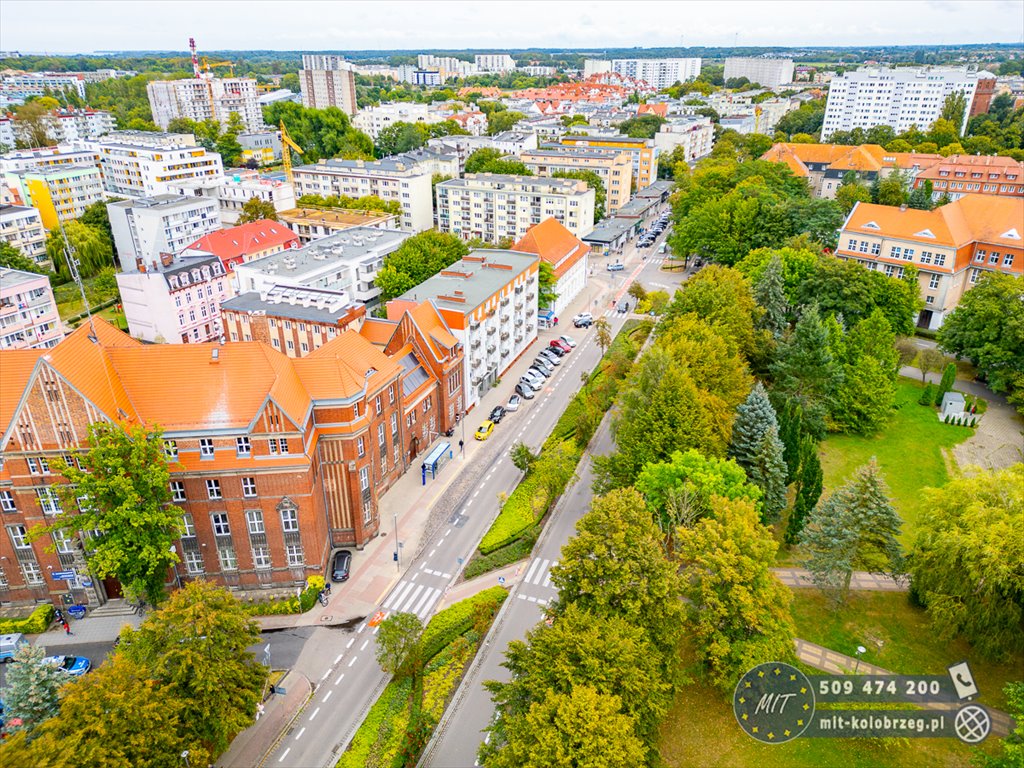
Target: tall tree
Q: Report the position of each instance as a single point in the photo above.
(12, 258)
(124, 488)
(966, 561)
(256, 209)
(88, 245)
(853, 529)
(603, 334)
(546, 285)
(806, 371)
(31, 690)
(921, 197)
(195, 645)
(738, 611)
(754, 418)
(954, 108)
(850, 193)
(769, 293)
(946, 383)
(809, 481)
(479, 159)
(768, 472)
(33, 125)
(798, 265)
(418, 258)
(723, 298)
(867, 396)
(398, 643)
(791, 420)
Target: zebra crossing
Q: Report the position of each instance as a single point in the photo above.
(538, 575)
(410, 597)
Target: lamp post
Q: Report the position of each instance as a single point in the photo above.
(860, 650)
(462, 442)
(398, 546)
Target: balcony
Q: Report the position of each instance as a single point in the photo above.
(505, 335)
(529, 328)
(519, 305)
(491, 330)
(491, 348)
(531, 296)
(519, 337)
(504, 301)
(530, 312)
(519, 321)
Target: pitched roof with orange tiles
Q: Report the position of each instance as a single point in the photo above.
(987, 165)
(863, 158)
(435, 330)
(660, 109)
(234, 244)
(18, 365)
(554, 244)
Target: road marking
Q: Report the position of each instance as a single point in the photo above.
(284, 755)
(353, 661)
(477, 493)
(411, 600)
(328, 695)
(366, 642)
(432, 552)
(447, 532)
(326, 675)
(299, 734)
(340, 678)
(360, 630)
(337, 659)
(351, 642)
(376, 629)
(532, 599)
(396, 596)
(429, 593)
(413, 577)
(533, 567)
(315, 713)
(547, 579)
(424, 565)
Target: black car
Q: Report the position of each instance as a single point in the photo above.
(497, 414)
(340, 566)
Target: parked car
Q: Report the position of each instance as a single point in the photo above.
(543, 365)
(616, 267)
(583, 320)
(9, 645)
(514, 403)
(76, 666)
(525, 391)
(533, 383)
(484, 430)
(540, 371)
(568, 340)
(340, 566)
(556, 350)
(560, 345)
(550, 356)
(497, 414)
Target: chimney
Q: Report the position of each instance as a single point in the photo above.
(166, 258)
(155, 268)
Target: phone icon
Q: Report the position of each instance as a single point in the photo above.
(963, 680)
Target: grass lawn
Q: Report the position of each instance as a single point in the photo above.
(909, 451)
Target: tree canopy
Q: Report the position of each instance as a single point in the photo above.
(322, 133)
(416, 259)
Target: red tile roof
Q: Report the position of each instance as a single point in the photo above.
(232, 245)
(554, 244)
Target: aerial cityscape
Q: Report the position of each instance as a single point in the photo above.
(511, 385)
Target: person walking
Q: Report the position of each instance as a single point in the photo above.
(67, 628)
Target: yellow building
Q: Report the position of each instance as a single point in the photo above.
(643, 151)
(613, 167)
(59, 193)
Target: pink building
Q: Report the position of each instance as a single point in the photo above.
(28, 313)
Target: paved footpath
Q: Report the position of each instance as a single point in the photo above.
(249, 748)
(877, 582)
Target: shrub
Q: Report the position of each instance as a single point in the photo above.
(35, 623)
(927, 395)
(980, 405)
(378, 726)
(517, 514)
(456, 620)
(510, 553)
(273, 607)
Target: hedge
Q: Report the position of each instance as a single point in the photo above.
(499, 558)
(455, 620)
(516, 516)
(34, 624)
(288, 605)
(378, 726)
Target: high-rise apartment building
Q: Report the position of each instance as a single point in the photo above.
(59, 193)
(766, 72)
(328, 81)
(205, 98)
(899, 98)
(26, 84)
(613, 167)
(643, 152)
(147, 227)
(143, 169)
(22, 227)
(658, 73)
(494, 62)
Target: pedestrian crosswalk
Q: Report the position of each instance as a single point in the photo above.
(539, 572)
(409, 597)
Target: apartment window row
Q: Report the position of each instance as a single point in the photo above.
(993, 258)
(243, 448)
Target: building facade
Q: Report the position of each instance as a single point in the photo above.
(494, 62)
(244, 243)
(959, 175)
(23, 85)
(261, 147)
(373, 120)
(695, 134)
(658, 73)
(952, 246)
(328, 81)
(388, 179)
(899, 98)
(643, 152)
(613, 167)
(22, 227)
(146, 169)
(28, 312)
(766, 72)
(205, 98)
(150, 226)
(494, 207)
(59, 193)
(566, 254)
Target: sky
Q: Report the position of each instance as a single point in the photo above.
(56, 26)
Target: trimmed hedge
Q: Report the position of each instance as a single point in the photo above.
(456, 620)
(379, 728)
(516, 516)
(499, 558)
(34, 624)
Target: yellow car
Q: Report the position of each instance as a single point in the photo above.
(484, 430)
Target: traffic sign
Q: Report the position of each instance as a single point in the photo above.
(64, 575)
(501, 579)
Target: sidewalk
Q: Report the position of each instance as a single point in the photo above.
(836, 663)
(511, 573)
(91, 629)
(878, 582)
(250, 747)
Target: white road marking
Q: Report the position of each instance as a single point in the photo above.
(376, 629)
(477, 493)
(299, 734)
(424, 600)
(351, 642)
(366, 642)
(361, 628)
(533, 567)
(315, 713)
(284, 755)
(412, 598)
(397, 596)
(328, 695)
(424, 565)
(432, 552)
(353, 661)
(547, 579)
(337, 659)
(326, 675)
(413, 577)
(532, 599)
(340, 678)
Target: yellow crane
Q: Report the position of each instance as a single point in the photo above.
(287, 145)
(207, 64)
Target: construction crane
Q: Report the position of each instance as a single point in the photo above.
(287, 145)
(195, 58)
(207, 64)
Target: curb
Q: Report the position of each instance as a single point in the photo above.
(291, 722)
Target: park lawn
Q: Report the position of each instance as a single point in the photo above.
(898, 636)
(700, 731)
(909, 452)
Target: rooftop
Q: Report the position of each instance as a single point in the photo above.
(350, 245)
(469, 282)
(609, 230)
(560, 150)
(387, 165)
(334, 217)
(498, 180)
(238, 242)
(16, 210)
(617, 138)
(163, 202)
(657, 189)
(12, 278)
(306, 304)
(554, 244)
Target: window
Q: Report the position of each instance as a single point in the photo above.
(980, 256)
(242, 446)
(249, 487)
(1008, 260)
(177, 490)
(171, 449)
(993, 258)
(391, 394)
(63, 544)
(284, 445)
(213, 489)
(360, 447)
(908, 255)
(380, 435)
(254, 520)
(975, 274)
(7, 502)
(933, 282)
(221, 527)
(289, 520)
(296, 558)
(383, 462)
(188, 526)
(273, 445)
(17, 533)
(364, 479)
(193, 561)
(863, 246)
(206, 448)
(926, 257)
(394, 425)
(228, 558)
(355, 410)
(260, 557)
(896, 252)
(32, 572)
(48, 501)
(940, 259)
(378, 405)
(38, 465)
(876, 248)
(929, 299)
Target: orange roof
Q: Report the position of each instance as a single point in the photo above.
(235, 243)
(338, 368)
(863, 158)
(987, 165)
(18, 365)
(660, 109)
(972, 218)
(554, 244)
(434, 328)
(377, 330)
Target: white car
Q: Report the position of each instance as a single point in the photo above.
(513, 403)
(568, 340)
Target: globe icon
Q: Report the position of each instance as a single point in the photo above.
(972, 724)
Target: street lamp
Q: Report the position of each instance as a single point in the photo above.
(860, 650)
(398, 546)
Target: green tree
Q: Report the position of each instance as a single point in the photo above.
(641, 126)
(954, 108)
(929, 359)
(946, 383)
(982, 330)
(97, 217)
(768, 472)
(892, 190)
(809, 483)
(579, 729)
(88, 245)
(754, 418)
(798, 265)
(256, 209)
(522, 457)
(416, 259)
(965, 564)
(320, 132)
(31, 689)
(603, 334)
(124, 483)
(769, 293)
(229, 149)
(594, 182)
(398, 644)
(499, 122)
(401, 137)
(32, 125)
(1013, 744)
(921, 197)
(865, 399)
(738, 611)
(480, 158)
(195, 646)
(791, 421)
(850, 193)
(723, 298)
(546, 285)
(855, 528)
(12, 258)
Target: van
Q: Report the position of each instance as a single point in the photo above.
(9, 645)
(663, 247)
(618, 267)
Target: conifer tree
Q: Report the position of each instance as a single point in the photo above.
(809, 483)
(946, 384)
(790, 418)
(769, 292)
(754, 417)
(30, 692)
(807, 370)
(768, 473)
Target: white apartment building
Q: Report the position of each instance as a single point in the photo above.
(767, 72)
(508, 142)
(538, 71)
(47, 157)
(446, 66)
(695, 134)
(614, 167)
(658, 73)
(22, 227)
(595, 67)
(388, 179)
(232, 191)
(493, 207)
(175, 300)
(263, 146)
(21, 86)
(147, 227)
(328, 81)
(205, 98)
(343, 263)
(494, 62)
(373, 120)
(899, 98)
(143, 170)
(62, 125)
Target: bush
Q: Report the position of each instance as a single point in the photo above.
(34, 624)
(378, 726)
(457, 619)
(499, 558)
(516, 516)
(927, 395)
(273, 607)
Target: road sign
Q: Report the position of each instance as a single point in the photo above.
(64, 575)
(86, 583)
(501, 579)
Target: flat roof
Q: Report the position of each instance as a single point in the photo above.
(162, 201)
(13, 277)
(657, 189)
(496, 179)
(349, 217)
(481, 283)
(618, 138)
(323, 306)
(14, 210)
(636, 207)
(384, 165)
(609, 230)
(584, 152)
(349, 245)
